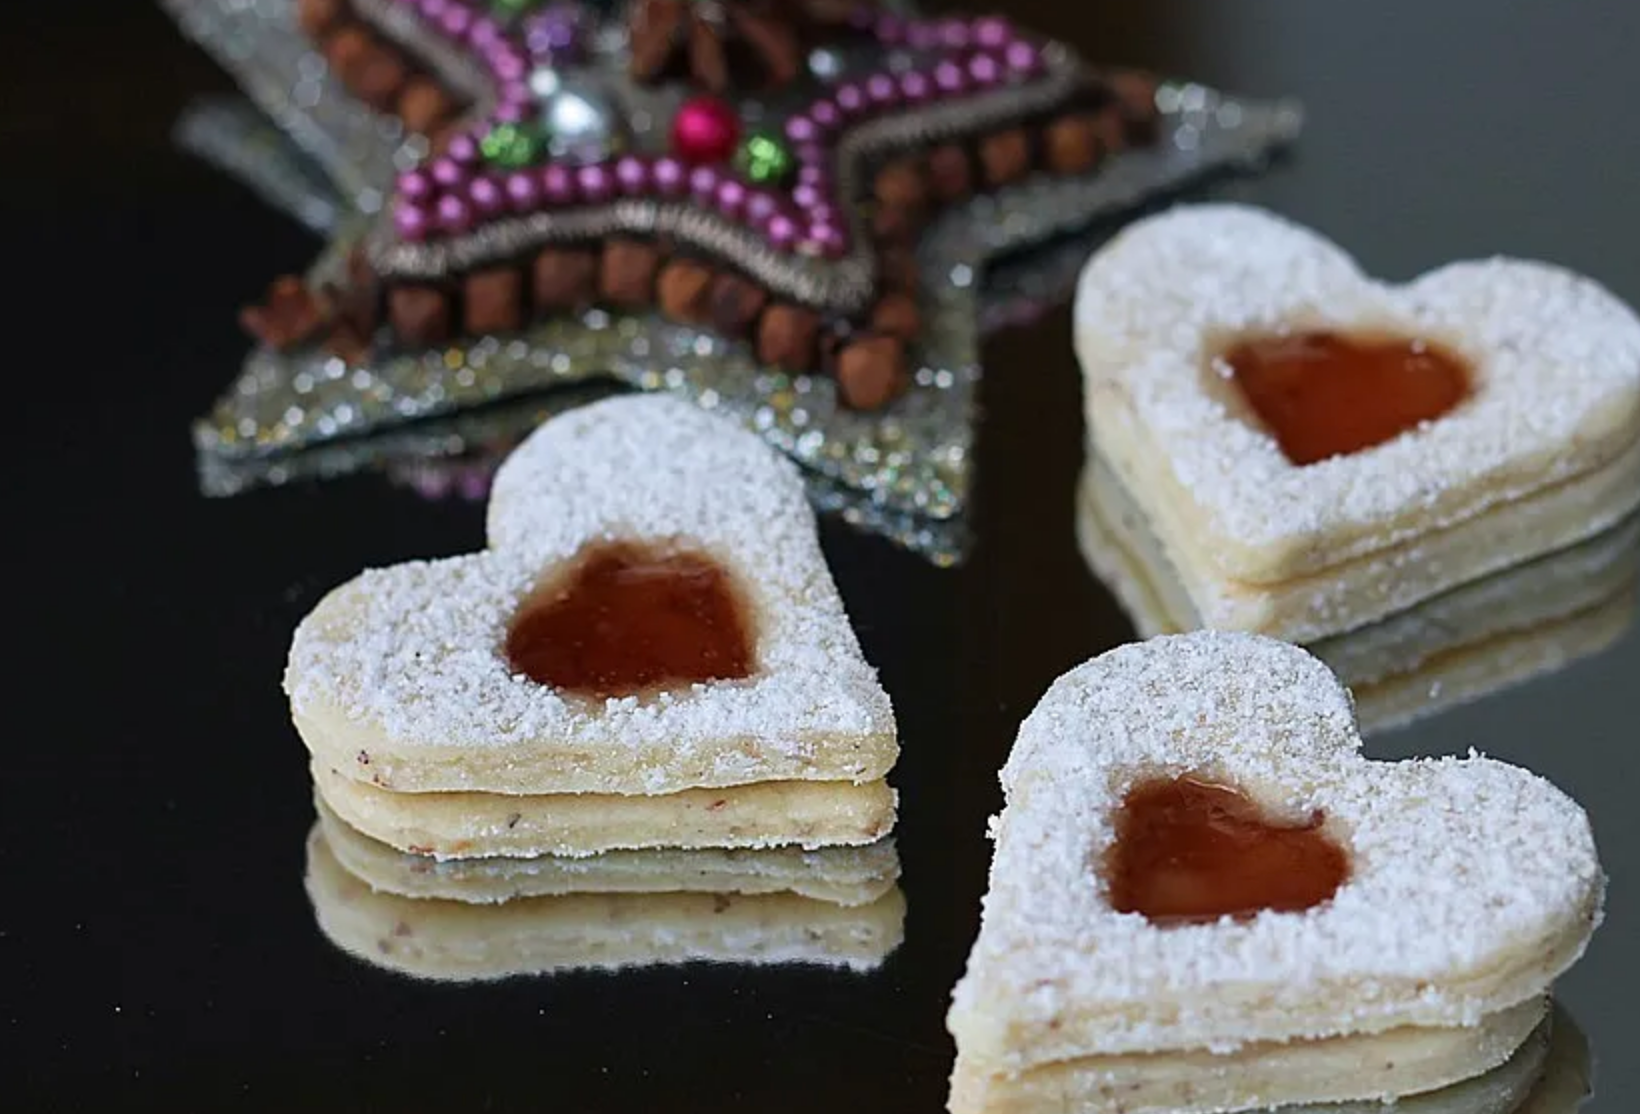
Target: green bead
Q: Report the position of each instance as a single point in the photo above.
(511, 145)
(764, 159)
(512, 9)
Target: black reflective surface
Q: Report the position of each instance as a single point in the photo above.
(156, 943)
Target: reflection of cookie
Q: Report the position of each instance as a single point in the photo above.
(842, 875)
(453, 940)
(653, 618)
(1462, 889)
(1540, 448)
(1565, 1081)
(1461, 645)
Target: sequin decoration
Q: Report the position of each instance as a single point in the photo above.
(908, 464)
(453, 456)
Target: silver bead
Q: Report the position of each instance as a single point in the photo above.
(825, 64)
(545, 83)
(582, 121)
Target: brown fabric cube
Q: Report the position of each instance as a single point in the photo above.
(950, 173)
(495, 301)
(355, 303)
(901, 182)
(685, 291)
(420, 315)
(379, 76)
(1071, 143)
(318, 16)
(786, 337)
(566, 280)
(871, 372)
(896, 315)
(347, 343)
(897, 270)
(424, 105)
(1111, 127)
(1136, 92)
(901, 190)
(348, 49)
(735, 304)
(1005, 156)
(627, 278)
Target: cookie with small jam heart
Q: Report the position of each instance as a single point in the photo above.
(650, 653)
(1315, 449)
(1204, 898)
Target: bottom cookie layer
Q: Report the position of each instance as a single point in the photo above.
(1360, 590)
(1371, 1068)
(1471, 641)
(806, 814)
(840, 875)
(457, 941)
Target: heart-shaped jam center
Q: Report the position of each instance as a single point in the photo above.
(628, 619)
(1189, 851)
(1323, 394)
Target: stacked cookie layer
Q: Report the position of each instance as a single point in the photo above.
(1314, 451)
(1459, 646)
(690, 681)
(1467, 887)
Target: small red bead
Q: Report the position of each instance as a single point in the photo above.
(705, 130)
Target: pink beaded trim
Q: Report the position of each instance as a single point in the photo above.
(453, 194)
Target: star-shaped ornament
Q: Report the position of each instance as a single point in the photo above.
(453, 455)
(781, 209)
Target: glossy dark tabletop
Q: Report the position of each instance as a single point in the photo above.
(156, 943)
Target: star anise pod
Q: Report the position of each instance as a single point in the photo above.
(756, 43)
(340, 315)
(289, 315)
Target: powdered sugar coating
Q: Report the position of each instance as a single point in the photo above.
(1473, 882)
(1557, 362)
(649, 467)
(409, 657)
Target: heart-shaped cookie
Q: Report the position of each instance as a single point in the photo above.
(1469, 885)
(1316, 449)
(651, 635)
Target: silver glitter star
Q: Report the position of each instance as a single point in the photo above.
(903, 471)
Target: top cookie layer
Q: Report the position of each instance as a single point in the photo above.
(398, 677)
(1555, 357)
(1473, 883)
